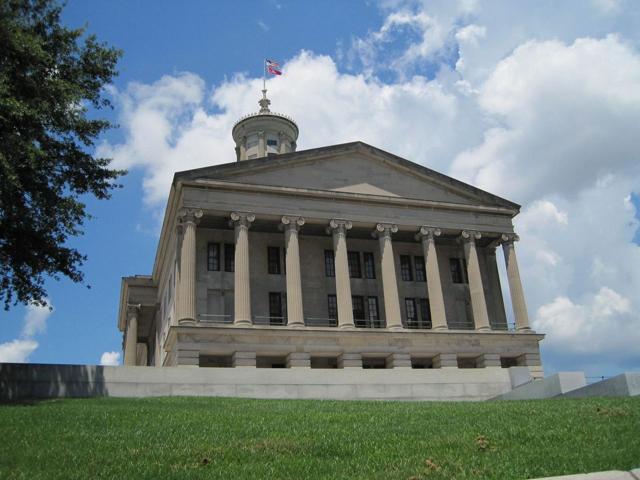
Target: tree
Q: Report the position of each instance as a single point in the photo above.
(51, 80)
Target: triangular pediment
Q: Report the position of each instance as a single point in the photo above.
(350, 168)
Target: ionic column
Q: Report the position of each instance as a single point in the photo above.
(339, 229)
(186, 299)
(241, 288)
(515, 285)
(262, 145)
(389, 280)
(434, 286)
(295, 311)
(131, 335)
(476, 289)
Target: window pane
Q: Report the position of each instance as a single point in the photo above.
(406, 272)
(425, 313)
(456, 270)
(275, 307)
(354, 264)
(369, 265)
(213, 256)
(410, 306)
(372, 308)
(332, 304)
(358, 307)
(421, 273)
(329, 264)
(229, 257)
(273, 254)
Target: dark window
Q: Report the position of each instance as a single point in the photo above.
(372, 309)
(329, 264)
(357, 302)
(332, 307)
(277, 308)
(421, 273)
(229, 257)
(412, 316)
(272, 143)
(369, 265)
(406, 273)
(273, 254)
(425, 313)
(213, 256)
(458, 268)
(353, 259)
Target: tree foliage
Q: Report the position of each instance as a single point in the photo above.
(50, 78)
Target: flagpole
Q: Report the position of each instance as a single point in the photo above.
(264, 74)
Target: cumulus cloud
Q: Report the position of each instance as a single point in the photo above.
(19, 350)
(110, 359)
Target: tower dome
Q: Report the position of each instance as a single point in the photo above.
(263, 133)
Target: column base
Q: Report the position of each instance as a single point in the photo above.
(347, 326)
(186, 321)
(395, 328)
(440, 328)
(297, 324)
(524, 330)
(242, 323)
(483, 329)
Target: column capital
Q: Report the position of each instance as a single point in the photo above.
(190, 215)
(470, 236)
(243, 219)
(384, 230)
(428, 233)
(509, 238)
(339, 226)
(133, 310)
(292, 222)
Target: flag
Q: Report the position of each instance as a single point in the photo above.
(273, 67)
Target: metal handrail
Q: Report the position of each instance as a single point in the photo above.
(262, 320)
(366, 323)
(214, 318)
(321, 322)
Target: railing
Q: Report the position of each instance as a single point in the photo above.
(212, 318)
(417, 325)
(461, 326)
(366, 323)
(279, 321)
(321, 322)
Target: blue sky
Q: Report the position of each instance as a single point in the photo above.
(534, 101)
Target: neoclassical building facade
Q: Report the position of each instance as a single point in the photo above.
(343, 256)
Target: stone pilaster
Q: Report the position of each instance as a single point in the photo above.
(515, 284)
(434, 285)
(445, 360)
(487, 360)
(262, 145)
(241, 278)
(389, 279)
(244, 359)
(186, 298)
(399, 360)
(295, 311)
(339, 229)
(476, 289)
(299, 360)
(131, 335)
(350, 360)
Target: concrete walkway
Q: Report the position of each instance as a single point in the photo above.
(610, 475)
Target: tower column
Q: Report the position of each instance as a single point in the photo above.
(186, 299)
(339, 229)
(476, 289)
(131, 335)
(434, 286)
(241, 278)
(295, 312)
(389, 281)
(515, 284)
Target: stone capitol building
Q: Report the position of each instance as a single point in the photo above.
(343, 256)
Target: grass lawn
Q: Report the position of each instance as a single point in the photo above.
(297, 439)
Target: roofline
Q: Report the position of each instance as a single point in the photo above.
(266, 162)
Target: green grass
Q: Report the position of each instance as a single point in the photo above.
(256, 439)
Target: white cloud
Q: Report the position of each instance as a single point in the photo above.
(263, 26)
(110, 358)
(19, 350)
(471, 34)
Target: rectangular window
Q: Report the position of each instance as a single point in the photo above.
(425, 313)
(213, 257)
(332, 307)
(272, 143)
(276, 308)
(358, 308)
(373, 314)
(273, 258)
(458, 267)
(421, 273)
(229, 257)
(329, 264)
(369, 265)
(412, 317)
(406, 273)
(353, 259)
